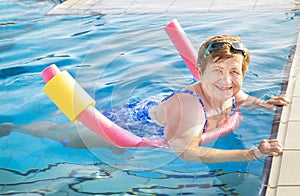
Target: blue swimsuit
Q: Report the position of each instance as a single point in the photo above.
(135, 117)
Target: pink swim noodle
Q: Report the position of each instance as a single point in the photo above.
(50, 72)
(105, 128)
(183, 46)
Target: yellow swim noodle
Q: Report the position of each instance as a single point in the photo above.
(68, 95)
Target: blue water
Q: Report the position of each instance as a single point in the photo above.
(118, 58)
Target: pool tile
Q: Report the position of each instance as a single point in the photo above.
(274, 5)
(167, 6)
(297, 87)
(292, 81)
(80, 2)
(295, 112)
(271, 191)
(283, 191)
(282, 131)
(221, 5)
(108, 8)
(90, 2)
(289, 170)
(286, 110)
(184, 6)
(296, 66)
(285, 114)
(275, 171)
(144, 6)
(295, 69)
(292, 139)
(69, 3)
(76, 4)
(288, 191)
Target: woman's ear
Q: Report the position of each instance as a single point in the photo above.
(199, 72)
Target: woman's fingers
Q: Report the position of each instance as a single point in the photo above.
(281, 100)
(270, 147)
(267, 106)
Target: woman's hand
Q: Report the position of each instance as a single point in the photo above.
(254, 102)
(281, 100)
(266, 148)
(270, 147)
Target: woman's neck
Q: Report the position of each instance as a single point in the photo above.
(212, 105)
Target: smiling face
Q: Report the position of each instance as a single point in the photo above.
(223, 79)
(219, 48)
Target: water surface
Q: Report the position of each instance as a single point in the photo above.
(118, 58)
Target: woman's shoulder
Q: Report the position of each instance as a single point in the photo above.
(187, 96)
(183, 103)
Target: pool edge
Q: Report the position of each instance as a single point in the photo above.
(280, 173)
(83, 7)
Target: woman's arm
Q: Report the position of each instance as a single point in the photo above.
(245, 100)
(189, 150)
(67, 134)
(195, 153)
(183, 129)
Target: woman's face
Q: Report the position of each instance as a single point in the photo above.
(224, 78)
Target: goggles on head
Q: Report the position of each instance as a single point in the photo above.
(234, 47)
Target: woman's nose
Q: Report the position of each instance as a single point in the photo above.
(226, 78)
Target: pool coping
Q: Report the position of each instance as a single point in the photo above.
(284, 178)
(82, 7)
(277, 120)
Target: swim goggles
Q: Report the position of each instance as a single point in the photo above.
(234, 47)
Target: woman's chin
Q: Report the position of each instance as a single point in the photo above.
(224, 95)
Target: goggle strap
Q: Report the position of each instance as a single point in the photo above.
(231, 45)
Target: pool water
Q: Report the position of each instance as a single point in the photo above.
(120, 58)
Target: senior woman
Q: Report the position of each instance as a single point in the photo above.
(206, 104)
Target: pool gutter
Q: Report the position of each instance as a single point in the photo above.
(281, 174)
(82, 7)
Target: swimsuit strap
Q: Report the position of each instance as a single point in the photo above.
(233, 109)
(198, 98)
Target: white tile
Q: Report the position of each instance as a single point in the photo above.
(297, 86)
(281, 133)
(189, 6)
(295, 109)
(271, 191)
(291, 87)
(274, 172)
(221, 5)
(292, 139)
(171, 6)
(288, 191)
(68, 3)
(285, 114)
(145, 6)
(289, 169)
(296, 61)
(274, 5)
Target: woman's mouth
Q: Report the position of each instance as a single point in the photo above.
(224, 88)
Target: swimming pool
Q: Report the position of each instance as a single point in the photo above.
(117, 58)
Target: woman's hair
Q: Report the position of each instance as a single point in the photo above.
(223, 53)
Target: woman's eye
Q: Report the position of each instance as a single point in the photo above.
(217, 70)
(236, 72)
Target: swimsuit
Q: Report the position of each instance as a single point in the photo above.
(135, 117)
